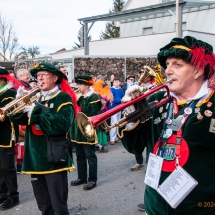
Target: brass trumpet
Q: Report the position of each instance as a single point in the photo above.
(87, 125)
(18, 104)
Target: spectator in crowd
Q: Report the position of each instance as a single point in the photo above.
(110, 82)
(12, 73)
(129, 82)
(118, 93)
(33, 82)
(24, 77)
(63, 69)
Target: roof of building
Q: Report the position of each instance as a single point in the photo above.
(151, 11)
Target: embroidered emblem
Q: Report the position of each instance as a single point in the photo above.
(169, 152)
(157, 120)
(212, 126)
(37, 127)
(208, 113)
(46, 105)
(51, 105)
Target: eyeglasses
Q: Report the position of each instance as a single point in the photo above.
(45, 74)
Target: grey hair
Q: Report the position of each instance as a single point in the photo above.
(20, 72)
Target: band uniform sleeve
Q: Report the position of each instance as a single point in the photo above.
(10, 96)
(54, 121)
(90, 105)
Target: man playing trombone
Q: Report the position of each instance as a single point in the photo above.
(180, 136)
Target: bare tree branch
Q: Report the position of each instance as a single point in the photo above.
(7, 37)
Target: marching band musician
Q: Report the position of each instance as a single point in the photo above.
(181, 135)
(9, 196)
(90, 104)
(48, 122)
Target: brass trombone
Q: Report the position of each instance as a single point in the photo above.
(87, 125)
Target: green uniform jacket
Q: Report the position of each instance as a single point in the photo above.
(200, 164)
(53, 121)
(90, 106)
(8, 130)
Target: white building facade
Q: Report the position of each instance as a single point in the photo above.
(147, 33)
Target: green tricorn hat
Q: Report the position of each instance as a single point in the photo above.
(3, 71)
(84, 79)
(44, 66)
(196, 52)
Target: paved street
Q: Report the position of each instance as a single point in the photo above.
(118, 189)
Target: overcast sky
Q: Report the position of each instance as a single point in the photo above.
(52, 24)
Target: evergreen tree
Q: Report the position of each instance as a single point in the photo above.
(111, 30)
(78, 45)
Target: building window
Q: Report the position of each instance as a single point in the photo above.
(147, 30)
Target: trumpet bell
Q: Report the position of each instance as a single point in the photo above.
(85, 125)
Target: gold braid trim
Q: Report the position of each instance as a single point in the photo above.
(181, 47)
(51, 171)
(127, 129)
(67, 103)
(7, 99)
(95, 101)
(12, 133)
(89, 143)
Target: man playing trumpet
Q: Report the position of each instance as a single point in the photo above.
(181, 134)
(47, 156)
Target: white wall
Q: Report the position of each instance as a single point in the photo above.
(202, 21)
(140, 45)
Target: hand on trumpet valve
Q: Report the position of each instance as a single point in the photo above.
(28, 109)
(132, 93)
(21, 91)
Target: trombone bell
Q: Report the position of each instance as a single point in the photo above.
(85, 125)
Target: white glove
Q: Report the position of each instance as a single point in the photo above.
(130, 125)
(130, 91)
(21, 91)
(28, 109)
